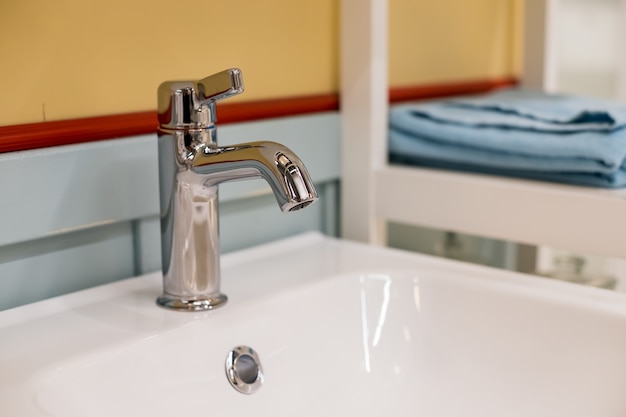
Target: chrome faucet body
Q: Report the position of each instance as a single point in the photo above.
(191, 166)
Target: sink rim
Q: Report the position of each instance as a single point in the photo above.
(597, 297)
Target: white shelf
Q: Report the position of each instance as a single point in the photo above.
(569, 217)
(580, 219)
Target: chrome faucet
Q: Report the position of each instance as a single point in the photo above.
(191, 165)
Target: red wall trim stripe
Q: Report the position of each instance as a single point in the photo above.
(66, 132)
(407, 93)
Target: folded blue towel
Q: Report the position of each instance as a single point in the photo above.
(516, 132)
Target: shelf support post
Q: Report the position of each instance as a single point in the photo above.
(364, 107)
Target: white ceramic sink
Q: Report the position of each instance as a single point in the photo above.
(341, 329)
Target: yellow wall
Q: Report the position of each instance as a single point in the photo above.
(433, 41)
(76, 58)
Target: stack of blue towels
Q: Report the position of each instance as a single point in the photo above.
(516, 133)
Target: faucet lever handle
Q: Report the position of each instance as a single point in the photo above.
(222, 85)
(191, 104)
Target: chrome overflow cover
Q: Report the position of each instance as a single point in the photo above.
(243, 369)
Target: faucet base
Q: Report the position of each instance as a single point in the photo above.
(191, 304)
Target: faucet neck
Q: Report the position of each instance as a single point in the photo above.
(187, 143)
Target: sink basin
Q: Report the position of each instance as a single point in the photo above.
(340, 329)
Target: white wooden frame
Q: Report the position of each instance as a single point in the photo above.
(569, 217)
(364, 110)
(540, 67)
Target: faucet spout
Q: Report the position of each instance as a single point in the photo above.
(277, 164)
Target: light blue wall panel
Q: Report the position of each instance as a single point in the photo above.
(314, 138)
(57, 190)
(147, 233)
(31, 271)
(257, 220)
(82, 215)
